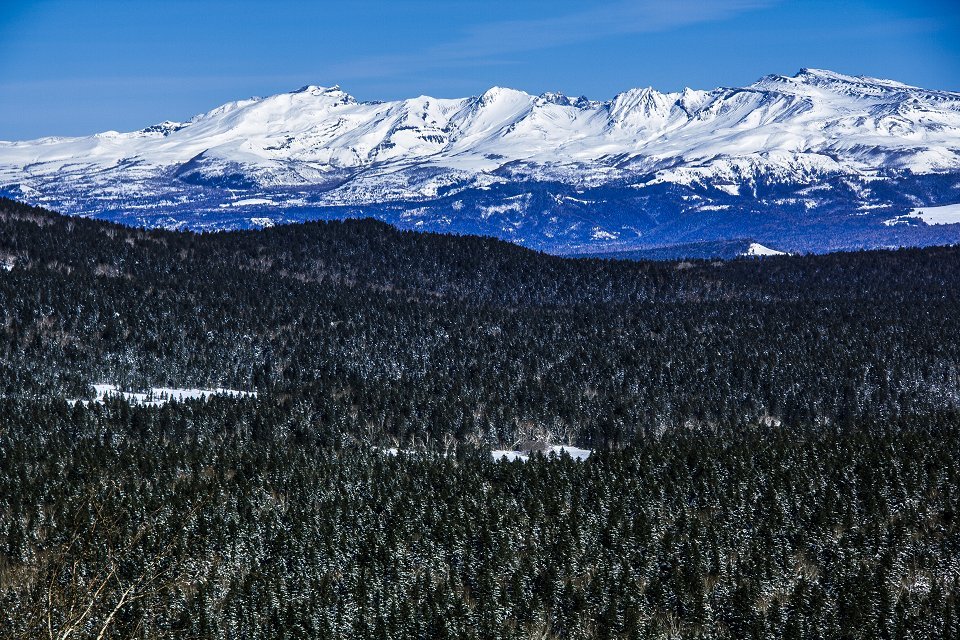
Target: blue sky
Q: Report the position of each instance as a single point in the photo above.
(73, 67)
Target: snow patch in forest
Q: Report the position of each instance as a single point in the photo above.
(757, 249)
(946, 214)
(600, 234)
(246, 202)
(551, 451)
(158, 396)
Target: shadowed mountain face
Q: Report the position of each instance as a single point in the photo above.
(814, 162)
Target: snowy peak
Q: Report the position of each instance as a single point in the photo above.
(638, 107)
(317, 90)
(818, 82)
(823, 77)
(691, 100)
(563, 100)
(501, 95)
(497, 107)
(332, 94)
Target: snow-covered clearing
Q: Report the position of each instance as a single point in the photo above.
(161, 395)
(552, 451)
(246, 202)
(947, 214)
(509, 455)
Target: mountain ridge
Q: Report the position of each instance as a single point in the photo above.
(552, 172)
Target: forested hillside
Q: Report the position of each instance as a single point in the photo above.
(774, 440)
(220, 520)
(405, 337)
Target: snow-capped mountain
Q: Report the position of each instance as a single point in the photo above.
(815, 161)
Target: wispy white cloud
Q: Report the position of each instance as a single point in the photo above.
(600, 21)
(495, 42)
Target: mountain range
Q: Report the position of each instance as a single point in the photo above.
(813, 162)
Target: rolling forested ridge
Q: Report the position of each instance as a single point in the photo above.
(774, 441)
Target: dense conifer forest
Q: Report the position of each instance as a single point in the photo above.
(774, 440)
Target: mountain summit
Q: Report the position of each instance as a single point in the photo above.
(815, 161)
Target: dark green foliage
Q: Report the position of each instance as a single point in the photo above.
(425, 338)
(776, 440)
(232, 532)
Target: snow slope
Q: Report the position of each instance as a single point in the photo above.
(757, 249)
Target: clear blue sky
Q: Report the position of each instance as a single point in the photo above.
(72, 67)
